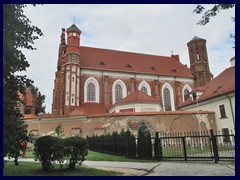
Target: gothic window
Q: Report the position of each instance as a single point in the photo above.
(186, 94)
(167, 99)
(144, 89)
(118, 93)
(91, 92)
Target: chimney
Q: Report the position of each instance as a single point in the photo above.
(232, 61)
(175, 57)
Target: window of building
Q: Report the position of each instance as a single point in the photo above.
(226, 135)
(72, 78)
(91, 92)
(28, 111)
(198, 57)
(167, 99)
(194, 96)
(72, 100)
(222, 111)
(144, 90)
(186, 94)
(118, 93)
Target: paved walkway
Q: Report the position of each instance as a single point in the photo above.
(162, 168)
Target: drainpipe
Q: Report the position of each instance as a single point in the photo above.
(230, 102)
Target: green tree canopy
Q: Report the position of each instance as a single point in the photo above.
(18, 33)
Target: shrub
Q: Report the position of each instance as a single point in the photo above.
(76, 148)
(48, 149)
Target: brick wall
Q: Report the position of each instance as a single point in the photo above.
(177, 121)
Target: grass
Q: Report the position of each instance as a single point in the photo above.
(35, 169)
(96, 156)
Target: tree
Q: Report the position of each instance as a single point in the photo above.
(18, 33)
(213, 11)
(207, 14)
(59, 130)
(144, 144)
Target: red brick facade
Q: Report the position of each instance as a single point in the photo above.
(76, 64)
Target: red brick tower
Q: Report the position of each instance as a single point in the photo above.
(66, 90)
(199, 61)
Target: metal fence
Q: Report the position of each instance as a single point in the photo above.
(188, 146)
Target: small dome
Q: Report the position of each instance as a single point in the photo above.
(74, 28)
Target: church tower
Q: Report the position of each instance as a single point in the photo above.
(66, 91)
(199, 61)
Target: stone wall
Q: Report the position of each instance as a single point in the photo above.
(168, 122)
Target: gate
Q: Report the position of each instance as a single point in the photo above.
(196, 146)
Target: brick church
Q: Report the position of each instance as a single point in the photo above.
(96, 81)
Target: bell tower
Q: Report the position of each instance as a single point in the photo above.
(66, 93)
(199, 64)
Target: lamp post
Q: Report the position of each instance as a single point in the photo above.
(39, 119)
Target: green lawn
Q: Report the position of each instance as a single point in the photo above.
(35, 169)
(96, 156)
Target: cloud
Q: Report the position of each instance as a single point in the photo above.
(151, 29)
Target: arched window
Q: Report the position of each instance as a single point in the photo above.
(186, 92)
(119, 91)
(145, 88)
(167, 99)
(91, 90)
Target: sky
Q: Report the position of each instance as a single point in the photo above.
(157, 29)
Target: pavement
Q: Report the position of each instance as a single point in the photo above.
(162, 168)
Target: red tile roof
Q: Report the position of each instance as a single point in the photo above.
(93, 108)
(224, 83)
(77, 112)
(137, 96)
(112, 60)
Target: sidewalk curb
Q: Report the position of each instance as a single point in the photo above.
(231, 167)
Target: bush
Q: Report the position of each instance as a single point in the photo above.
(76, 148)
(48, 149)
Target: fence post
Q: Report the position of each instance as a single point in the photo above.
(160, 150)
(102, 143)
(156, 147)
(184, 148)
(214, 146)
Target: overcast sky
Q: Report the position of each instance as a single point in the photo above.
(151, 29)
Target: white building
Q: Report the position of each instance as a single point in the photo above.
(219, 96)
